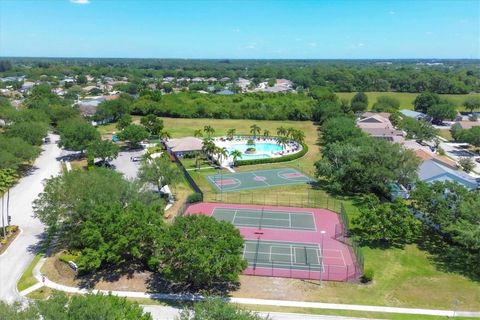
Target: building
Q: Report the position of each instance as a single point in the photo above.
(414, 114)
(431, 171)
(380, 127)
(182, 146)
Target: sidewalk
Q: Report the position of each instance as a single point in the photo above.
(264, 302)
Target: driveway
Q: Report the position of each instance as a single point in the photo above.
(457, 151)
(21, 252)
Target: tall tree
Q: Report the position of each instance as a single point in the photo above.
(359, 102)
(209, 252)
(425, 100)
(103, 149)
(76, 134)
(133, 134)
(159, 172)
(217, 309)
(472, 103)
(152, 123)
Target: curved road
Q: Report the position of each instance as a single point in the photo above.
(21, 252)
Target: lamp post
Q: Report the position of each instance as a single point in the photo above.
(321, 252)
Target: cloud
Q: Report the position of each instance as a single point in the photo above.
(428, 33)
(312, 44)
(236, 30)
(80, 1)
(361, 44)
(356, 46)
(251, 46)
(391, 12)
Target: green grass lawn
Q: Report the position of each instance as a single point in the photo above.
(27, 280)
(406, 99)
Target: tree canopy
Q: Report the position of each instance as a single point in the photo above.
(199, 252)
(217, 309)
(77, 134)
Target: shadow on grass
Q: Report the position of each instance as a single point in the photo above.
(449, 257)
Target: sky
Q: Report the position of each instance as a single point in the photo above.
(280, 29)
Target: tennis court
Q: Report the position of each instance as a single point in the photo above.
(278, 254)
(257, 179)
(266, 218)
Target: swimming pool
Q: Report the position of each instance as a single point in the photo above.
(263, 150)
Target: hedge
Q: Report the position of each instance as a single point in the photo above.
(289, 157)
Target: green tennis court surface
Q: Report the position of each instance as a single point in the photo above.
(257, 179)
(272, 219)
(288, 255)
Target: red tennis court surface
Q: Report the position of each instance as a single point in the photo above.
(286, 241)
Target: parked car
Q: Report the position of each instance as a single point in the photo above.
(46, 139)
(136, 158)
(478, 160)
(104, 164)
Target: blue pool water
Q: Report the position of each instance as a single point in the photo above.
(264, 149)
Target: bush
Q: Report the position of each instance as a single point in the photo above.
(195, 197)
(367, 276)
(68, 256)
(289, 157)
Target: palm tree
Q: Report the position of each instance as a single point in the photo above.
(282, 141)
(208, 130)
(221, 153)
(290, 132)
(254, 129)
(165, 135)
(198, 133)
(231, 133)
(208, 147)
(281, 131)
(235, 154)
(299, 136)
(266, 133)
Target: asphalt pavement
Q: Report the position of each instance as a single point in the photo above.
(21, 252)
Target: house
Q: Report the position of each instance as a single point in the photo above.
(414, 114)
(468, 124)
(27, 86)
(368, 114)
(380, 127)
(225, 79)
(243, 83)
(198, 79)
(183, 146)
(430, 171)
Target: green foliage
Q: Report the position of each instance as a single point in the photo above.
(454, 211)
(112, 109)
(8, 177)
(472, 103)
(77, 134)
(339, 129)
(366, 164)
(15, 151)
(194, 197)
(104, 218)
(103, 149)
(152, 123)
(90, 306)
(386, 223)
(159, 172)
(418, 129)
(367, 276)
(286, 158)
(425, 100)
(442, 111)
(386, 104)
(133, 134)
(199, 251)
(359, 102)
(217, 309)
(124, 121)
(31, 132)
(471, 136)
(466, 164)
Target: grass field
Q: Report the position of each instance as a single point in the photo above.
(406, 99)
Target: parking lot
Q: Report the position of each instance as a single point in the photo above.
(125, 165)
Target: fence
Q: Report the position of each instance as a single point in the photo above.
(330, 272)
(189, 178)
(307, 199)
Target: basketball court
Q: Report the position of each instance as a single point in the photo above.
(257, 179)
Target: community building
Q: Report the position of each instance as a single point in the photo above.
(182, 146)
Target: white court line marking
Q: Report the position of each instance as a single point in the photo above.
(272, 226)
(264, 181)
(290, 220)
(293, 256)
(244, 250)
(343, 258)
(234, 217)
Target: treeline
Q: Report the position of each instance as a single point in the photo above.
(453, 76)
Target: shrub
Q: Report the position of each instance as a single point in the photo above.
(195, 197)
(367, 276)
(286, 158)
(68, 256)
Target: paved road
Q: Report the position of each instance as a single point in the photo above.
(170, 313)
(19, 255)
(126, 166)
